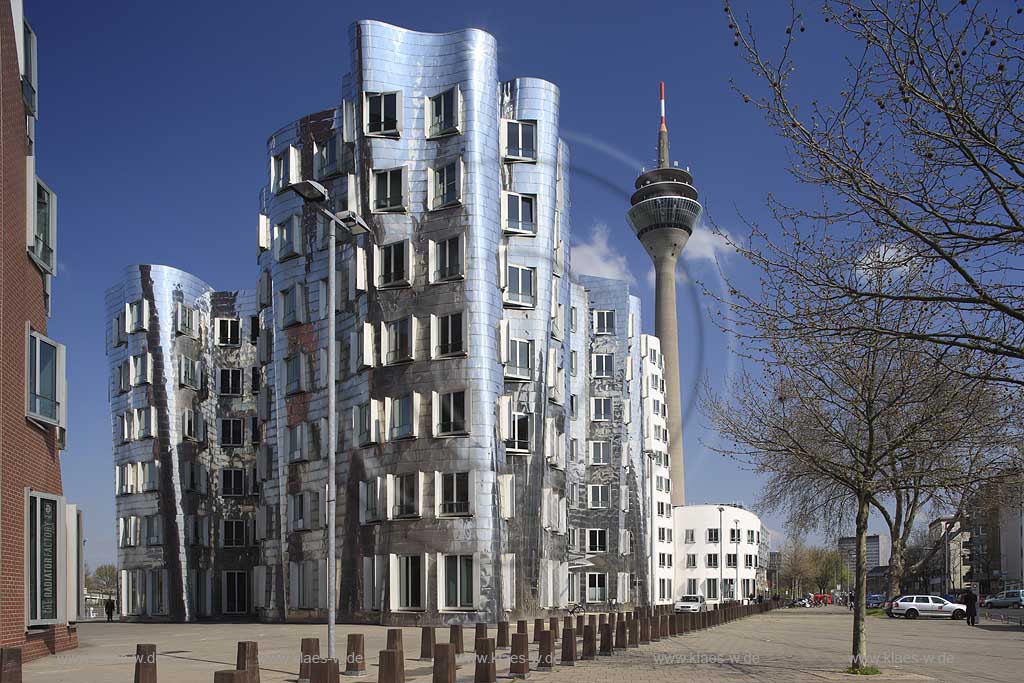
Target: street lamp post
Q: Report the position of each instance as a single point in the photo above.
(315, 194)
(736, 586)
(721, 559)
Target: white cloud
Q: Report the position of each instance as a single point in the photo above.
(598, 257)
(706, 245)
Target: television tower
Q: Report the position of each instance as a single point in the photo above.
(663, 212)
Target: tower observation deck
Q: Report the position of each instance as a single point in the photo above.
(663, 212)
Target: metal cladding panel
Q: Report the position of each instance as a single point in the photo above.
(163, 288)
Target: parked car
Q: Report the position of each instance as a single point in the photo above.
(874, 601)
(1005, 599)
(914, 606)
(691, 603)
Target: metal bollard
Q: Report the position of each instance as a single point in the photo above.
(655, 628)
(456, 639)
(145, 663)
(519, 660)
(553, 627)
(308, 651)
(395, 644)
(503, 636)
(569, 646)
(522, 626)
(485, 671)
(10, 665)
(248, 660)
(589, 642)
(602, 619)
(620, 635)
(426, 643)
(606, 640)
(546, 658)
(538, 628)
(480, 631)
(645, 630)
(227, 676)
(389, 667)
(579, 624)
(355, 660)
(444, 663)
(633, 626)
(324, 671)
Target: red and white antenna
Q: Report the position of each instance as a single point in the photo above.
(663, 126)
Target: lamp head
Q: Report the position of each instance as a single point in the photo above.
(310, 191)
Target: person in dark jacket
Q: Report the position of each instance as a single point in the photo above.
(970, 600)
(109, 607)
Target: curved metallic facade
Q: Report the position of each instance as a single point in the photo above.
(174, 558)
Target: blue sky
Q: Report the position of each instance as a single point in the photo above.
(154, 118)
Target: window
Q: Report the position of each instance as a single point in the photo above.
(411, 573)
(597, 540)
(521, 290)
(448, 257)
(231, 381)
(600, 452)
(388, 189)
(230, 432)
(750, 535)
(730, 560)
(47, 385)
(142, 370)
(232, 482)
(665, 588)
(597, 587)
(382, 113)
(712, 589)
(450, 337)
(521, 140)
(711, 561)
(520, 217)
(256, 379)
(293, 306)
(402, 417)
(665, 560)
(295, 442)
(407, 495)
(138, 315)
(398, 335)
(574, 447)
(452, 413)
(748, 561)
(603, 364)
(295, 373)
(46, 580)
(688, 536)
(455, 493)
(288, 237)
(734, 535)
(459, 592)
(444, 114)
(45, 230)
(145, 423)
(520, 359)
(393, 261)
(236, 592)
(572, 363)
(189, 427)
(446, 186)
(234, 533)
(712, 535)
(519, 440)
(280, 170)
(728, 589)
(598, 495)
(691, 561)
(325, 156)
(604, 322)
(229, 332)
(691, 586)
(573, 401)
(602, 409)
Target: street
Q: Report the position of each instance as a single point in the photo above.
(785, 645)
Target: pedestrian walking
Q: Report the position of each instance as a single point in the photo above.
(109, 607)
(849, 600)
(970, 600)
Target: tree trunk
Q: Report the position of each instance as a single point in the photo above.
(897, 566)
(860, 582)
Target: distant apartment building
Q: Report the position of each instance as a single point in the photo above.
(41, 566)
(950, 567)
(183, 388)
(878, 549)
(659, 483)
(722, 552)
(491, 458)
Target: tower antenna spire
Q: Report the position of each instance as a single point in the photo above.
(663, 133)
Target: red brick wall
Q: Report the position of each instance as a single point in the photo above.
(28, 455)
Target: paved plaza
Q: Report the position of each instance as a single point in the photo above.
(784, 645)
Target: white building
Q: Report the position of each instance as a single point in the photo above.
(717, 548)
(659, 483)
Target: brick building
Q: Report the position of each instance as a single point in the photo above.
(40, 534)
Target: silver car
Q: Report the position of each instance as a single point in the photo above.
(691, 603)
(914, 606)
(1005, 599)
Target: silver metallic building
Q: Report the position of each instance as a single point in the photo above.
(461, 424)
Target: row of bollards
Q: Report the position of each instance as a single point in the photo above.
(601, 636)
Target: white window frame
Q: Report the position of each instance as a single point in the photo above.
(604, 321)
(512, 203)
(597, 540)
(445, 188)
(42, 245)
(453, 427)
(222, 434)
(379, 128)
(460, 567)
(515, 295)
(604, 414)
(606, 455)
(443, 268)
(602, 365)
(436, 115)
(518, 349)
(405, 585)
(596, 501)
(232, 389)
(445, 324)
(520, 433)
(512, 133)
(597, 587)
(397, 196)
(229, 331)
(34, 400)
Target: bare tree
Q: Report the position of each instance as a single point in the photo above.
(795, 566)
(918, 147)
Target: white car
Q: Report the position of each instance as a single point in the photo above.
(914, 606)
(691, 603)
